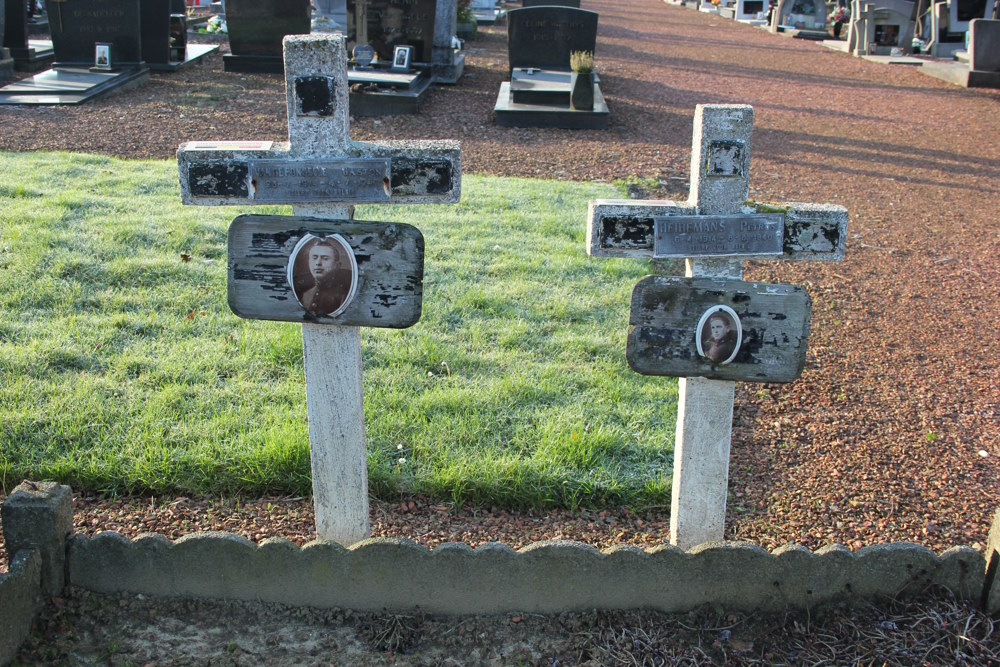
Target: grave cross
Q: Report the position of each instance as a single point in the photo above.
(714, 231)
(322, 173)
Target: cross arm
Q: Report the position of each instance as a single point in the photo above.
(624, 228)
(418, 172)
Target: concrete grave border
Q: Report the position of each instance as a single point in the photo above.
(454, 579)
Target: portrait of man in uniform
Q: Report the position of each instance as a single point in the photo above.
(323, 274)
(719, 335)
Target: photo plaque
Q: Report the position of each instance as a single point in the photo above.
(363, 55)
(719, 335)
(323, 274)
(102, 56)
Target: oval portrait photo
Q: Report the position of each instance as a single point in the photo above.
(323, 274)
(719, 334)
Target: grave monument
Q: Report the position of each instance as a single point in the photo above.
(411, 46)
(164, 36)
(98, 48)
(330, 16)
(30, 55)
(539, 43)
(320, 267)
(710, 328)
(802, 18)
(882, 28)
(983, 67)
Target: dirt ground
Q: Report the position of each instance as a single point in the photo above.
(891, 434)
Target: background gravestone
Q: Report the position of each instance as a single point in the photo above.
(256, 28)
(543, 37)
(385, 24)
(76, 26)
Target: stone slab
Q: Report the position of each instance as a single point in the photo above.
(70, 85)
(76, 26)
(269, 277)
(512, 114)
(192, 54)
(960, 74)
(544, 37)
(984, 45)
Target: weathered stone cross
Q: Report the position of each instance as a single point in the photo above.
(711, 328)
(319, 267)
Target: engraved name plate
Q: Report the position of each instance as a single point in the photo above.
(293, 182)
(718, 236)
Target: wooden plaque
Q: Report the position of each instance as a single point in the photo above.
(371, 273)
(672, 321)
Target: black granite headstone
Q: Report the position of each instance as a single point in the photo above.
(971, 9)
(156, 31)
(77, 25)
(392, 23)
(543, 37)
(256, 27)
(551, 3)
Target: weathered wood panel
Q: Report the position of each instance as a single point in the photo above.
(665, 315)
(419, 172)
(390, 263)
(623, 228)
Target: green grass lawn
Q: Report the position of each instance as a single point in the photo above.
(123, 370)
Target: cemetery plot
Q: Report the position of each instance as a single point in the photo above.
(320, 267)
(400, 47)
(100, 45)
(540, 41)
(983, 69)
(711, 328)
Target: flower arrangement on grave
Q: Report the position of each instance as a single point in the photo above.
(581, 61)
(464, 13)
(840, 15)
(216, 25)
(581, 81)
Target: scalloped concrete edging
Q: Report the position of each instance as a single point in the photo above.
(545, 577)
(20, 600)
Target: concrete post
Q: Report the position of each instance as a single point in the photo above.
(39, 515)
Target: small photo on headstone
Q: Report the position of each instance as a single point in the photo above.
(719, 335)
(323, 274)
(102, 56)
(401, 56)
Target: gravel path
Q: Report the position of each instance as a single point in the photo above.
(893, 431)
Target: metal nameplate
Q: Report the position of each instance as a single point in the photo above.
(755, 234)
(338, 180)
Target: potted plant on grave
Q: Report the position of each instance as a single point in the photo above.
(465, 21)
(581, 81)
(838, 18)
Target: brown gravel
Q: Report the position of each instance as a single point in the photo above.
(893, 431)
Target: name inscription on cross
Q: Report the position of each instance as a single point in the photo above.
(319, 266)
(710, 328)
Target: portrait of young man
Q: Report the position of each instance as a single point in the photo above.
(719, 335)
(323, 274)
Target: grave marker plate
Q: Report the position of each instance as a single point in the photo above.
(666, 313)
(284, 181)
(389, 259)
(749, 235)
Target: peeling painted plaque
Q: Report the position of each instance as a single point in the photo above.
(725, 158)
(346, 272)
(298, 181)
(763, 339)
(314, 95)
(718, 235)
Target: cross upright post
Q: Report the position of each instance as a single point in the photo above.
(322, 173)
(714, 231)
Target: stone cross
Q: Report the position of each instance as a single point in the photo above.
(322, 173)
(715, 230)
